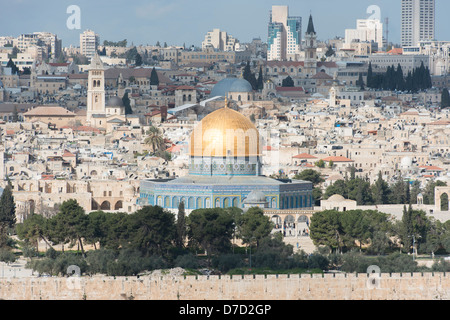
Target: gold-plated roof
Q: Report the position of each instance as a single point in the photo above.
(225, 133)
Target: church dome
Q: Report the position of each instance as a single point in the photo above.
(226, 85)
(114, 102)
(225, 133)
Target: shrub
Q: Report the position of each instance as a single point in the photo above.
(187, 261)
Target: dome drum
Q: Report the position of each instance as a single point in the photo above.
(236, 166)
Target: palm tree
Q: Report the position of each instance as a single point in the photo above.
(154, 138)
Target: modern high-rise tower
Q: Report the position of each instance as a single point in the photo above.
(284, 35)
(89, 42)
(418, 21)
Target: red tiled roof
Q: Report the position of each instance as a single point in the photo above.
(431, 168)
(185, 88)
(304, 156)
(67, 153)
(337, 159)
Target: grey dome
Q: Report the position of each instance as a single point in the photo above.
(115, 102)
(226, 85)
(255, 197)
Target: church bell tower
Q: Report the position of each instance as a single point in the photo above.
(310, 65)
(96, 89)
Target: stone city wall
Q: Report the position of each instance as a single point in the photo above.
(395, 286)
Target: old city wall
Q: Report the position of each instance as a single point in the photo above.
(410, 286)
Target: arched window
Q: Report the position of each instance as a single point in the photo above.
(175, 202)
(167, 202)
(105, 206)
(119, 205)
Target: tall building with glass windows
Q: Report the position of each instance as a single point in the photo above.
(418, 21)
(284, 35)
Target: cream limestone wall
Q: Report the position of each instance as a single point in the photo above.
(410, 286)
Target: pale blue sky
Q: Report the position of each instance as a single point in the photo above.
(187, 21)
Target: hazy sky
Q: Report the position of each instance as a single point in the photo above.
(179, 22)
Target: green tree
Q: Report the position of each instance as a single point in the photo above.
(32, 230)
(138, 60)
(127, 103)
(211, 229)
(326, 230)
(154, 79)
(316, 179)
(96, 231)
(338, 187)
(114, 230)
(370, 82)
(152, 230)
(445, 98)
(287, 82)
(253, 226)
(181, 225)
(360, 82)
(355, 227)
(7, 213)
(70, 223)
(380, 191)
(260, 79)
(247, 73)
(320, 163)
(154, 139)
(310, 175)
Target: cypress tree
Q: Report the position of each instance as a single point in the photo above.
(361, 82)
(127, 104)
(7, 208)
(247, 74)
(7, 213)
(181, 225)
(409, 82)
(369, 81)
(407, 228)
(428, 82)
(400, 80)
(154, 80)
(260, 79)
(445, 98)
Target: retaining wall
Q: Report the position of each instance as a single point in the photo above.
(395, 286)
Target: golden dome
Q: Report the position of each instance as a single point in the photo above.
(225, 132)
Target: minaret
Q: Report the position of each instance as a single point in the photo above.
(96, 88)
(310, 65)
